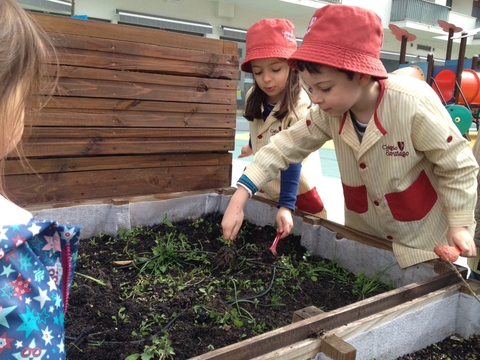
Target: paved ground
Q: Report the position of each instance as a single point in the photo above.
(330, 187)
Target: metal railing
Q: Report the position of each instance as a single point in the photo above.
(420, 11)
(477, 25)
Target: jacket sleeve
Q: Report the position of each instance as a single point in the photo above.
(289, 146)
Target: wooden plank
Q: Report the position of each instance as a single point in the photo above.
(305, 313)
(104, 45)
(126, 199)
(121, 90)
(157, 119)
(302, 350)
(349, 233)
(382, 318)
(302, 330)
(75, 164)
(188, 109)
(128, 146)
(46, 133)
(337, 349)
(200, 84)
(76, 186)
(66, 25)
(342, 231)
(95, 59)
(309, 348)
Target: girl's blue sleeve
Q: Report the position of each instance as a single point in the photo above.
(289, 181)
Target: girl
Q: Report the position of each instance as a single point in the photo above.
(36, 257)
(275, 102)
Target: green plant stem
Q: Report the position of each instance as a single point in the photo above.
(100, 282)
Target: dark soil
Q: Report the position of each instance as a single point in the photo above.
(159, 306)
(453, 347)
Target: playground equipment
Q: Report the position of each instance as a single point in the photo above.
(460, 90)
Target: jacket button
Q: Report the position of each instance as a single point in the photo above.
(363, 166)
(376, 203)
(260, 136)
(390, 237)
(449, 139)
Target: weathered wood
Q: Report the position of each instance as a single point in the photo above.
(201, 84)
(349, 233)
(67, 103)
(106, 45)
(102, 146)
(306, 349)
(302, 330)
(97, 29)
(123, 62)
(135, 109)
(140, 91)
(337, 349)
(64, 111)
(45, 133)
(76, 164)
(73, 186)
(160, 119)
(305, 313)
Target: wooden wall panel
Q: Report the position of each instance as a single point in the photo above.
(136, 111)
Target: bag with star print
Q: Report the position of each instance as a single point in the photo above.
(37, 263)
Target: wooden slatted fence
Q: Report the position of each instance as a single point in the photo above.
(136, 111)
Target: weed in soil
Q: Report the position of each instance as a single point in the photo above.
(180, 290)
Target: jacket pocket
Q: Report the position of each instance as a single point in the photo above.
(415, 202)
(355, 198)
(310, 202)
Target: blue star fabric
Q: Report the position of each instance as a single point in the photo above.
(37, 264)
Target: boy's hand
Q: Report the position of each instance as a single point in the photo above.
(233, 217)
(284, 221)
(461, 238)
(246, 151)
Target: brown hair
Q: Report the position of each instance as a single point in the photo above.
(24, 51)
(253, 107)
(314, 68)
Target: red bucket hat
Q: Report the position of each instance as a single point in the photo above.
(269, 38)
(343, 37)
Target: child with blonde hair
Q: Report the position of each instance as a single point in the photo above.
(275, 102)
(407, 173)
(37, 258)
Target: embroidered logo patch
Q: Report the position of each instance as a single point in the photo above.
(396, 150)
(289, 36)
(312, 21)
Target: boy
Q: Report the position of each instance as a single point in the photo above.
(407, 173)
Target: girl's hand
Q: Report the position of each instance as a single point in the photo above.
(246, 151)
(284, 221)
(233, 217)
(461, 238)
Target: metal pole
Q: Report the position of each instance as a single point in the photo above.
(403, 50)
(448, 55)
(430, 62)
(461, 59)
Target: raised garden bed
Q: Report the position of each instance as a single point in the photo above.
(187, 292)
(356, 252)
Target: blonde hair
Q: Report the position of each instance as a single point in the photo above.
(25, 49)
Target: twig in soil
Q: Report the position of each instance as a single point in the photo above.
(100, 282)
